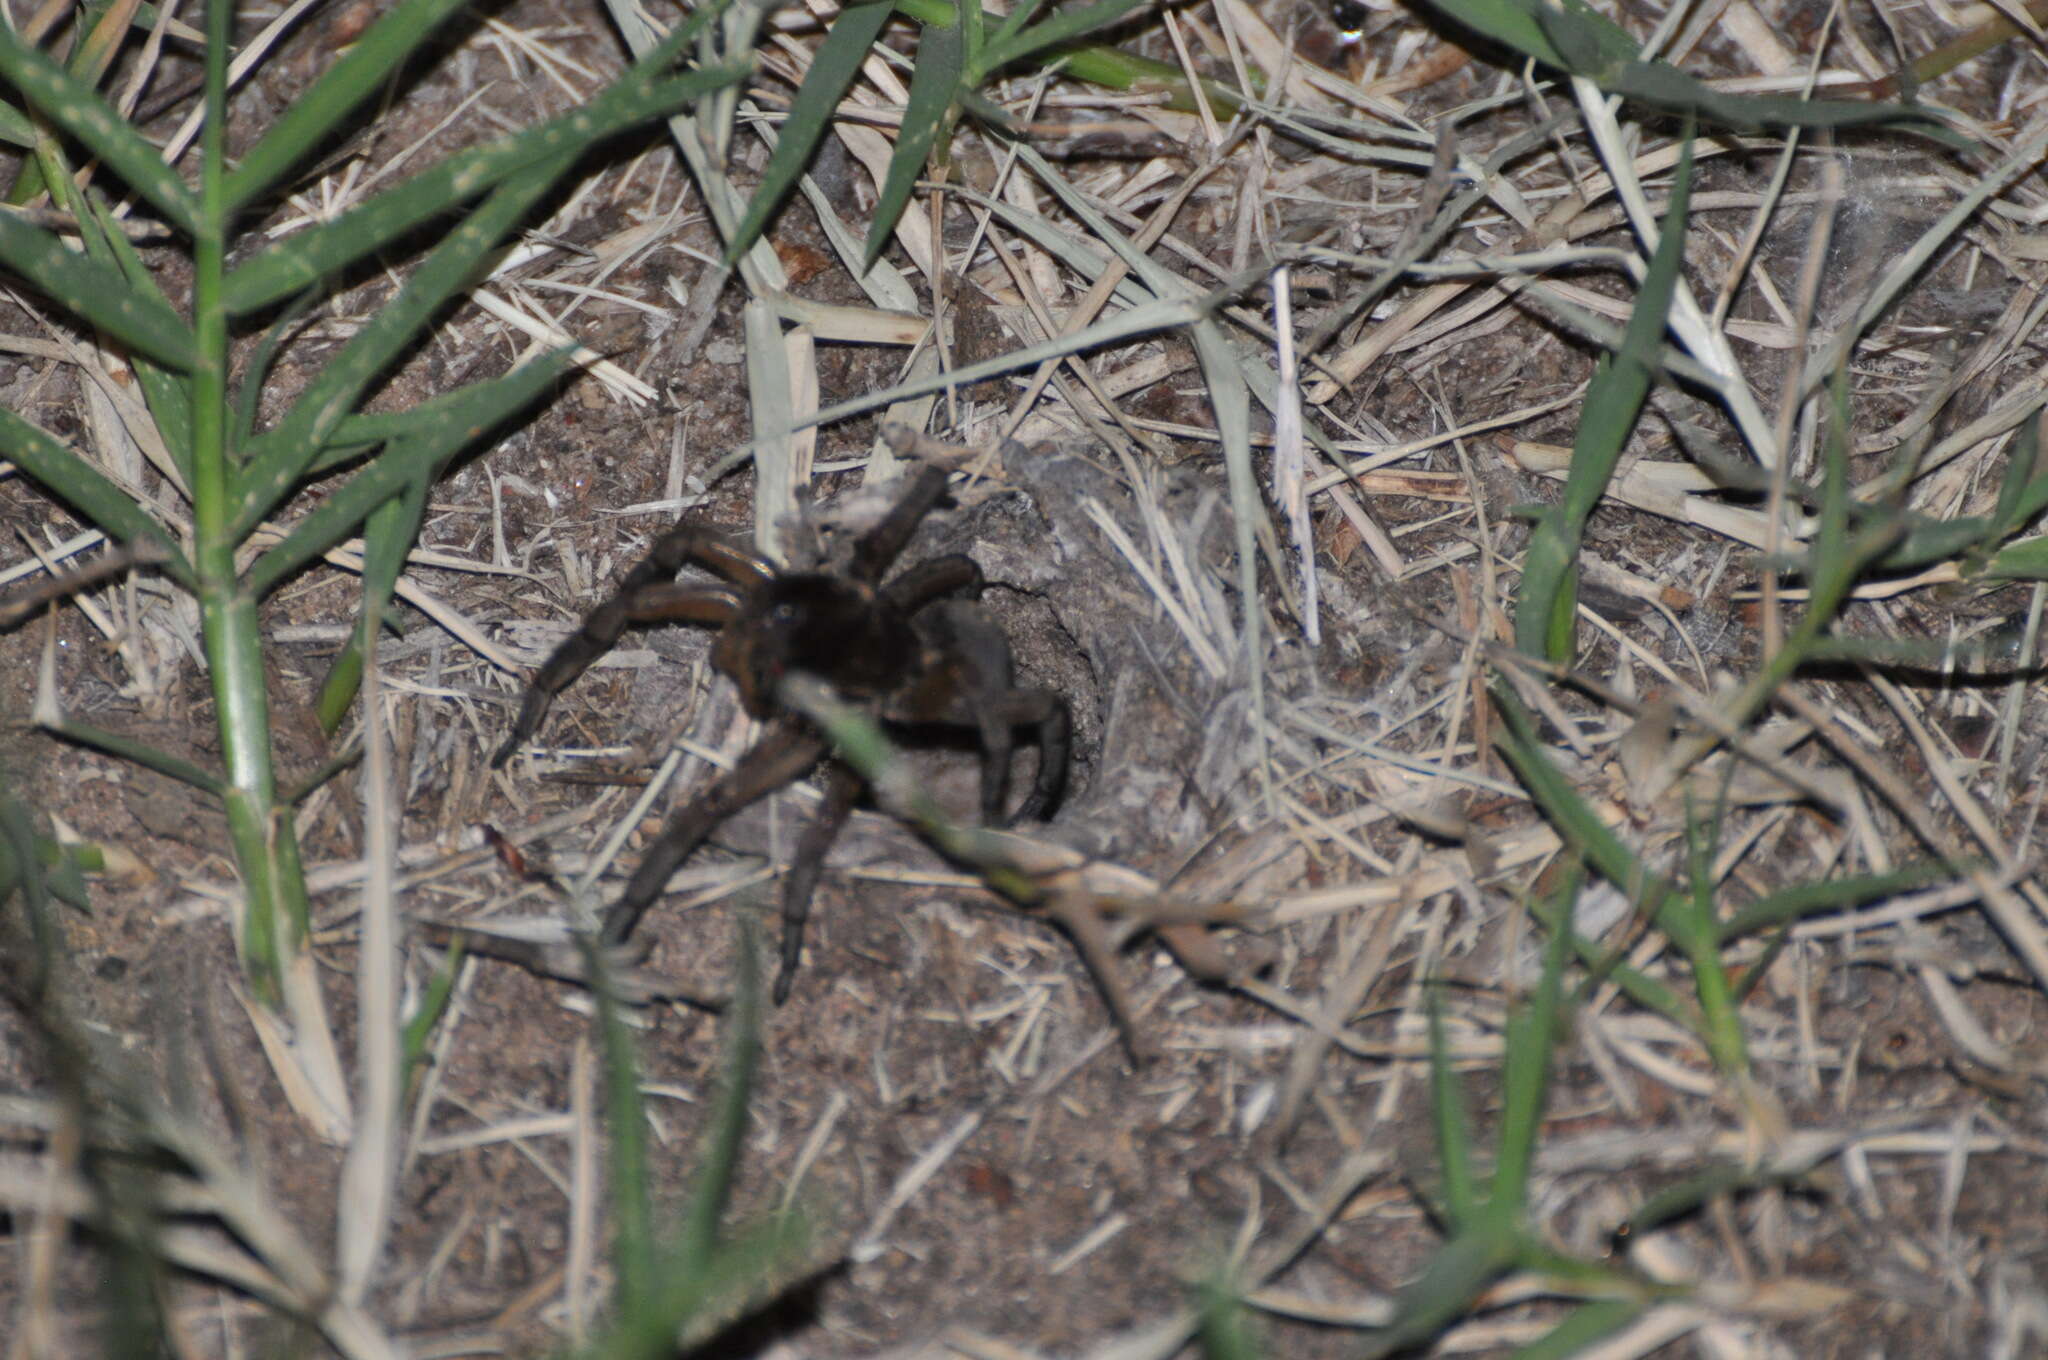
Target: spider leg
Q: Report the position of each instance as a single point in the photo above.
(781, 756)
(638, 601)
(1048, 713)
(966, 679)
(660, 601)
(712, 551)
(878, 547)
(716, 552)
(928, 581)
(998, 744)
(842, 787)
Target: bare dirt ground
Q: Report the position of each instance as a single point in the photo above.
(987, 1171)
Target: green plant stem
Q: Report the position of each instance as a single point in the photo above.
(264, 840)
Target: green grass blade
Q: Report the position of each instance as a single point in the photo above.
(1696, 930)
(1802, 900)
(387, 537)
(96, 293)
(333, 520)
(73, 105)
(751, 1267)
(1115, 69)
(311, 118)
(37, 868)
(935, 82)
(86, 489)
(1110, 67)
(1605, 965)
(1225, 1331)
(1453, 1125)
(1663, 87)
(1582, 830)
(47, 166)
(15, 128)
(1585, 1325)
(170, 401)
(1019, 15)
(1922, 540)
(278, 458)
(248, 397)
(697, 1242)
(1573, 33)
(973, 34)
(2026, 560)
(1576, 822)
(1460, 1271)
(41, 867)
(1546, 609)
(1065, 26)
(139, 752)
(1574, 38)
(2023, 493)
(1525, 1071)
(1987, 654)
(625, 1112)
(394, 523)
(1689, 1194)
(1837, 559)
(419, 1028)
(312, 780)
(310, 257)
(833, 69)
(438, 430)
(480, 404)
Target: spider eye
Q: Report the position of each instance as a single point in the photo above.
(783, 613)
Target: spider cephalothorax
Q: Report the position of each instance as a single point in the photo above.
(847, 632)
(911, 649)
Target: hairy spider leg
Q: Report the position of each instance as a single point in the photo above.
(974, 660)
(1047, 713)
(972, 683)
(878, 548)
(927, 581)
(782, 756)
(644, 596)
(654, 602)
(842, 787)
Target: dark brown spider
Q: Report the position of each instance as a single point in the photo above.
(916, 649)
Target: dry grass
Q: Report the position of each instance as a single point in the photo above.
(1279, 573)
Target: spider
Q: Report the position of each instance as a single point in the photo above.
(914, 649)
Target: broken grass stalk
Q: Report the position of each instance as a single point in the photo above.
(858, 740)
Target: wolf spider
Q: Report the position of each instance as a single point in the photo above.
(908, 650)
